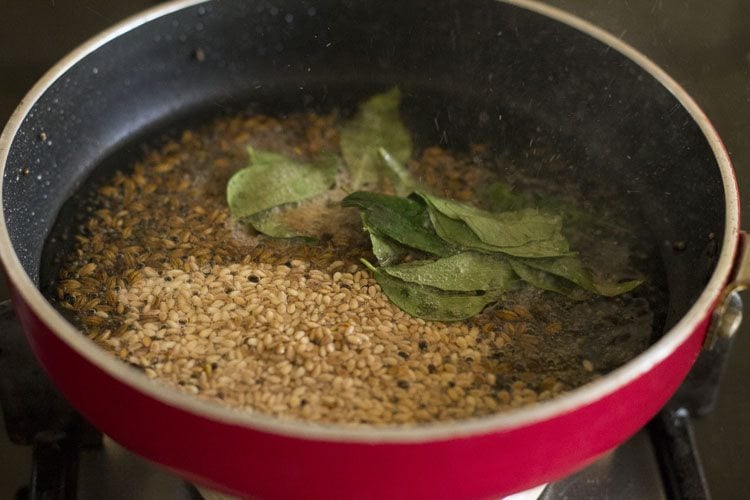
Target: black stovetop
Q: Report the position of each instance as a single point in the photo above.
(705, 46)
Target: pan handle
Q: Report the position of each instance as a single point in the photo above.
(727, 315)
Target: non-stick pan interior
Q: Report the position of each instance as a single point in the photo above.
(478, 71)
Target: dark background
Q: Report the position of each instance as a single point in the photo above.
(704, 45)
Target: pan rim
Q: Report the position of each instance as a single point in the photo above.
(500, 422)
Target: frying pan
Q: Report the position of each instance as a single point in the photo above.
(513, 73)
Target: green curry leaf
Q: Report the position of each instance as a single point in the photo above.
(545, 281)
(572, 269)
(524, 233)
(430, 303)
(272, 180)
(457, 233)
(376, 125)
(460, 235)
(505, 229)
(463, 272)
(401, 219)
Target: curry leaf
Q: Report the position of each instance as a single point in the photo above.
(463, 272)
(430, 303)
(273, 180)
(545, 281)
(401, 219)
(376, 125)
(458, 233)
(572, 269)
(504, 229)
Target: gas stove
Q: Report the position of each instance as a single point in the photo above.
(697, 447)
